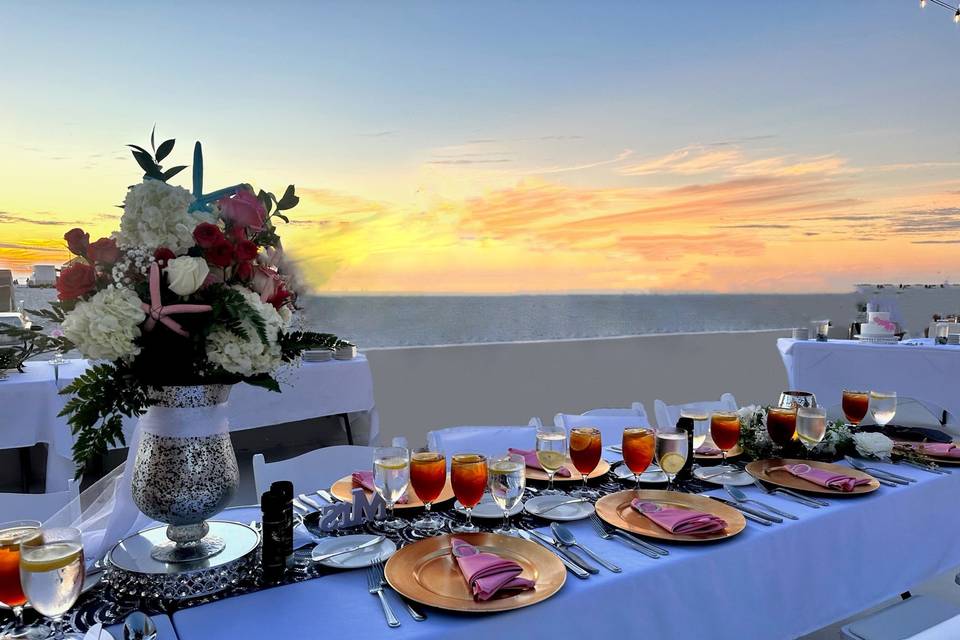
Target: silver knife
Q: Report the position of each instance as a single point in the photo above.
(926, 468)
(326, 556)
(573, 557)
(326, 495)
(569, 564)
(310, 501)
(750, 510)
(643, 543)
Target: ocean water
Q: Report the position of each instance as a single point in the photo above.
(387, 321)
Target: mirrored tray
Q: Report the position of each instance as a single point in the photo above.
(133, 572)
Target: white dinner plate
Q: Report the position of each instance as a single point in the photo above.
(653, 474)
(487, 509)
(735, 478)
(538, 506)
(357, 559)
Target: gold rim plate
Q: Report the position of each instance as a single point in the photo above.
(759, 469)
(615, 509)
(342, 489)
(603, 468)
(427, 573)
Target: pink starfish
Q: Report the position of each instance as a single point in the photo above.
(157, 312)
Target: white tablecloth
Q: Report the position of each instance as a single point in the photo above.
(29, 404)
(925, 372)
(776, 582)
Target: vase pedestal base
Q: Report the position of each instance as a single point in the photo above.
(177, 552)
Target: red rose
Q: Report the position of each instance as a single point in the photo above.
(280, 296)
(220, 254)
(238, 233)
(243, 209)
(208, 235)
(77, 241)
(162, 256)
(75, 281)
(246, 250)
(104, 250)
(245, 271)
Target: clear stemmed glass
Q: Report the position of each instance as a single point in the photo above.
(551, 453)
(391, 477)
(781, 425)
(51, 572)
(11, 591)
(468, 475)
(883, 406)
(671, 453)
(637, 446)
(428, 477)
(585, 448)
(701, 424)
(811, 425)
(725, 431)
(855, 404)
(507, 482)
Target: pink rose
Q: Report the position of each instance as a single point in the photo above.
(78, 241)
(243, 210)
(265, 282)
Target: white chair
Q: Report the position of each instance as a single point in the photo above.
(636, 410)
(489, 441)
(917, 617)
(668, 414)
(313, 470)
(611, 427)
(38, 506)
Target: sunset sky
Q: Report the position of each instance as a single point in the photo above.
(509, 146)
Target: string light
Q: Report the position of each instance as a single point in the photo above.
(956, 16)
(923, 4)
(956, 10)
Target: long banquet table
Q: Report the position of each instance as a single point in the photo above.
(924, 371)
(781, 581)
(29, 404)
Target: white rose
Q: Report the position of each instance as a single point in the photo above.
(873, 445)
(185, 274)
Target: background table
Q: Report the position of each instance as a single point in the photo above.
(926, 372)
(29, 404)
(777, 582)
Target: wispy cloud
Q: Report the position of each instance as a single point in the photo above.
(378, 134)
(687, 161)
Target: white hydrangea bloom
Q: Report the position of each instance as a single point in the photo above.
(106, 325)
(155, 215)
(248, 357)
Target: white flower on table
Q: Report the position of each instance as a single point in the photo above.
(873, 445)
(106, 325)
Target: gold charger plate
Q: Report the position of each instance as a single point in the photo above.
(343, 490)
(427, 573)
(758, 469)
(603, 467)
(615, 509)
(733, 453)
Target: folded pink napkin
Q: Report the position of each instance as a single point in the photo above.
(682, 521)
(708, 450)
(365, 479)
(487, 573)
(942, 449)
(530, 457)
(828, 479)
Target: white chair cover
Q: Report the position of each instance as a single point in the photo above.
(636, 409)
(611, 427)
(39, 506)
(313, 470)
(489, 441)
(668, 414)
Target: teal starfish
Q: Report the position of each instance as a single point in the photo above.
(201, 201)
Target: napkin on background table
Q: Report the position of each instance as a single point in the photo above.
(487, 573)
(530, 457)
(708, 450)
(829, 479)
(680, 521)
(942, 449)
(364, 479)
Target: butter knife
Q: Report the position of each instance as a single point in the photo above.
(749, 512)
(320, 557)
(571, 555)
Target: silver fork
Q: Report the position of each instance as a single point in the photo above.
(375, 588)
(414, 613)
(644, 548)
(813, 503)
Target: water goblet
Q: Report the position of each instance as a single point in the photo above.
(507, 479)
(391, 477)
(52, 572)
(811, 425)
(883, 406)
(551, 453)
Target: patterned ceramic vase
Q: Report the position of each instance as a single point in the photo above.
(185, 469)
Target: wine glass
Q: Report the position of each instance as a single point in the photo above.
(551, 453)
(51, 572)
(585, 450)
(671, 453)
(507, 482)
(701, 424)
(391, 476)
(781, 425)
(468, 475)
(11, 591)
(883, 406)
(637, 447)
(428, 476)
(725, 431)
(811, 425)
(855, 405)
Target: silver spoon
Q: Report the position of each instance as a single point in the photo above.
(565, 537)
(139, 626)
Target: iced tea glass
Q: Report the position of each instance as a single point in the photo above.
(585, 449)
(638, 446)
(781, 425)
(725, 431)
(468, 475)
(11, 590)
(428, 476)
(855, 405)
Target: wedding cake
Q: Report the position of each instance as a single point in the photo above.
(878, 327)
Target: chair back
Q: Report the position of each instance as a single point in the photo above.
(492, 442)
(668, 414)
(38, 506)
(314, 470)
(611, 427)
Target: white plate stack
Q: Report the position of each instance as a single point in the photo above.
(318, 355)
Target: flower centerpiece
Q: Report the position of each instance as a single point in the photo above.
(191, 295)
